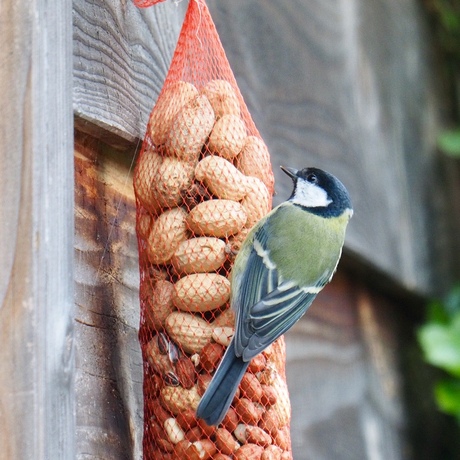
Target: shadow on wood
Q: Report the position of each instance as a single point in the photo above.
(108, 360)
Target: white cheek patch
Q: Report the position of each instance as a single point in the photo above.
(310, 195)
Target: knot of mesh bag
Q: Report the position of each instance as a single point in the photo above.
(202, 180)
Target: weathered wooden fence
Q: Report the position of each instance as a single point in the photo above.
(37, 397)
(348, 86)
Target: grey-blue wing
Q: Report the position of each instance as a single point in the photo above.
(271, 317)
(266, 306)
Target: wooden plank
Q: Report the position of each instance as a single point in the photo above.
(344, 382)
(334, 87)
(358, 384)
(328, 83)
(121, 57)
(108, 359)
(36, 232)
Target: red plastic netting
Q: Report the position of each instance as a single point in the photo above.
(146, 3)
(202, 180)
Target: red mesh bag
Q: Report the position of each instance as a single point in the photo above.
(202, 180)
(146, 3)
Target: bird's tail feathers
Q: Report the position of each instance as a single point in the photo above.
(219, 395)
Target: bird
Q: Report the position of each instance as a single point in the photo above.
(284, 262)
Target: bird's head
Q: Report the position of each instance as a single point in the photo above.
(319, 192)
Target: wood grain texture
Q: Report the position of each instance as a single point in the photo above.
(108, 360)
(350, 87)
(358, 383)
(346, 391)
(36, 232)
(121, 57)
(327, 83)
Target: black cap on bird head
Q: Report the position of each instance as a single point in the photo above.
(319, 192)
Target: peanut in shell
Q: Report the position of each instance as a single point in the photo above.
(168, 231)
(221, 178)
(169, 103)
(222, 97)
(199, 255)
(200, 292)
(228, 136)
(219, 218)
(190, 129)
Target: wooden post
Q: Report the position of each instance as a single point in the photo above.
(36, 231)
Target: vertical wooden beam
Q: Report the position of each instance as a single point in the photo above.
(36, 231)
(108, 359)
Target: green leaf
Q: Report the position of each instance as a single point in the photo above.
(436, 313)
(449, 143)
(450, 20)
(447, 393)
(441, 346)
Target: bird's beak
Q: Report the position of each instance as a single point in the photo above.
(291, 172)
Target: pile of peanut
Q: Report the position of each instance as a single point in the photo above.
(201, 183)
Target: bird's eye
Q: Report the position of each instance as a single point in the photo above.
(312, 178)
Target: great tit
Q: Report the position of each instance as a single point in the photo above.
(286, 259)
